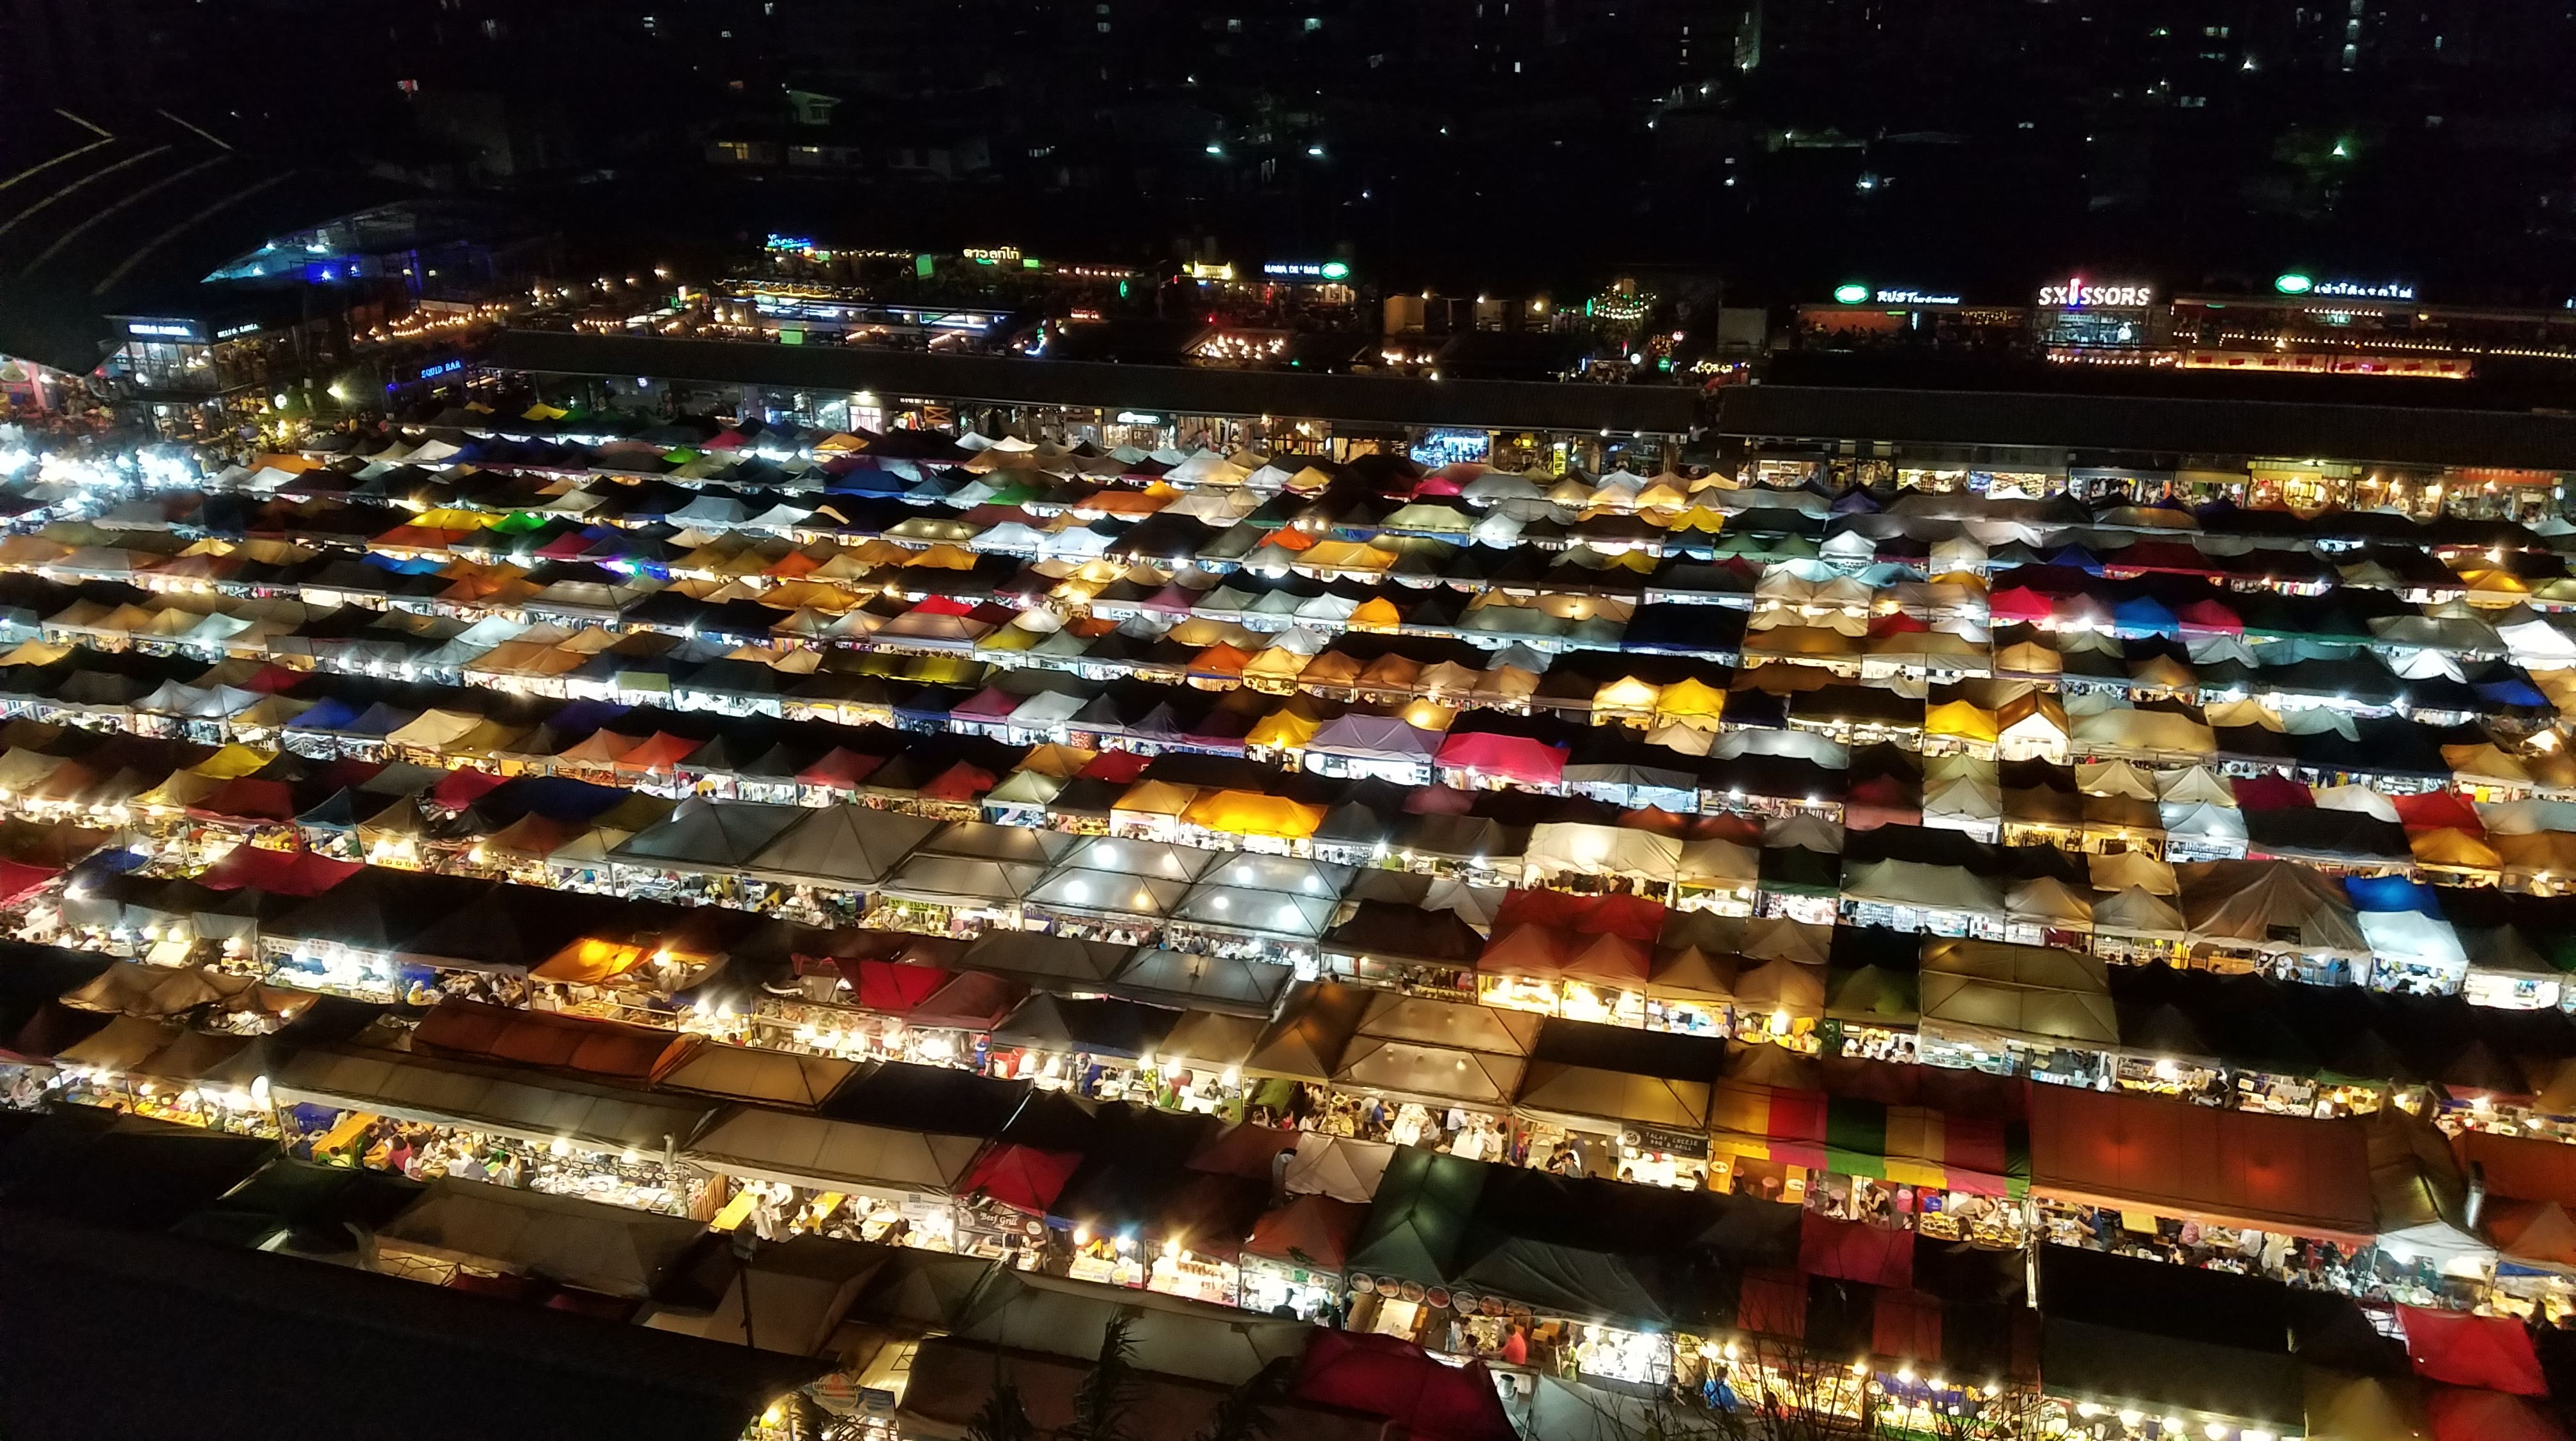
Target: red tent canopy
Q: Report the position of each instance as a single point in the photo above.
(944, 605)
(2292, 1174)
(18, 880)
(462, 789)
(1311, 1231)
(891, 987)
(1908, 1324)
(273, 678)
(973, 1001)
(2493, 1352)
(2209, 617)
(1773, 1302)
(2525, 1170)
(1116, 767)
(2464, 1415)
(285, 873)
(660, 751)
(2270, 793)
(2017, 602)
(1516, 758)
(960, 782)
(1855, 1251)
(1634, 917)
(1538, 907)
(840, 769)
(1524, 949)
(1023, 1178)
(2433, 810)
(1393, 1378)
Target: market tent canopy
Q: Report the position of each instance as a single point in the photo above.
(2295, 1175)
(2119, 1367)
(1173, 1336)
(474, 1030)
(1345, 1168)
(537, 1110)
(1974, 989)
(788, 1297)
(1390, 1377)
(845, 846)
(742, 1073)
(708, 837)
(1553, 1086)
(609, 1249)
(829, 1155)
(1313, 1230)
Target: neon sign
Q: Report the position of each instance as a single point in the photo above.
(1306, 269)
(2356, 289)
(167, 330)
(1855, 293)
(2079, 292)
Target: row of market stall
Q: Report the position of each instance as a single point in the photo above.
(908, 1341)
(721, 490)
(1223, 856)
(1586, 1280)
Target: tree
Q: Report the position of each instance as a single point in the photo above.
(1110, 1391)
(1244, 1414)
(1003, 1417)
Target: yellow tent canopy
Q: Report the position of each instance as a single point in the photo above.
(1283, 729)
(1959, 720)
(1687, 699)
(1250, 813)
(2451, 846)
(232, 762)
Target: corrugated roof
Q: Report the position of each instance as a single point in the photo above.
(99, 215)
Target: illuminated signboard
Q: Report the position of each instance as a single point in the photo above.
(1306, 270)
(2294, 283)
(231, 331)
(162, 329)
(1205, 270)
(2077, 291)
(1138, 417)
(1002, 255)
(1856, 293)
(1451, 446)
(444, 367)
(788, 242)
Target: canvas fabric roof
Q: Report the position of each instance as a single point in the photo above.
(610, 1249)
(2297, 1175)
(829, 1155)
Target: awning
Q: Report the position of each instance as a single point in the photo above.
(828, 1155)
(2294, 1175)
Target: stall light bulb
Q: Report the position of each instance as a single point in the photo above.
(2215, 1431)
(561, 1147)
